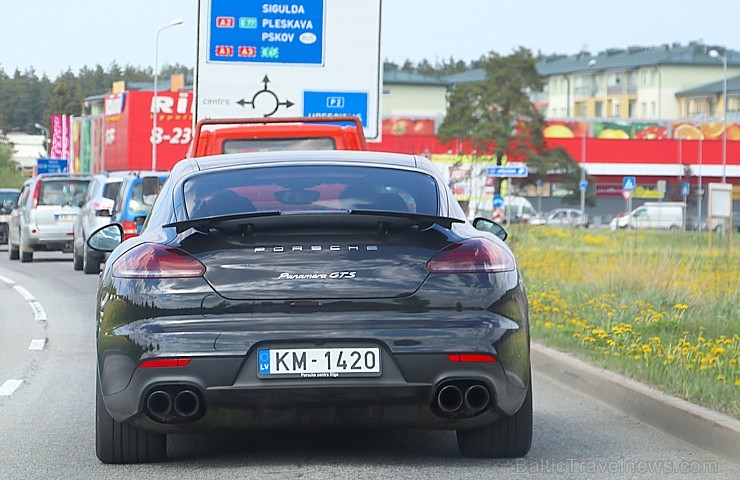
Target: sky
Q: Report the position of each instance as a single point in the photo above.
(52, 36)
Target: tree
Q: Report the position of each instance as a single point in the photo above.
(67, 97)
(10, 175)
(499, 118)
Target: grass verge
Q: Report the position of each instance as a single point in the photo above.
(657, 307)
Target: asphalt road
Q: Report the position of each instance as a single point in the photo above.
(47, 428)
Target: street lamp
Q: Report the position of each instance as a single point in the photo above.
(153, 138)
(715, 54)
(590, 64)
(46, 135)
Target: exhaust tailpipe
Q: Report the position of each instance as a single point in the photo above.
(477, 398)
(159, 403)
(450, 398)
(187, 403)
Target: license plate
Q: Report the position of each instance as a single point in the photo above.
(64, 217)
(319, 362)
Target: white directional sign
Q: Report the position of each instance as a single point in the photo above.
(512, 170)
(289, 59)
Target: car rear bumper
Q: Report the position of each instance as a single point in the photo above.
(56, 239)
(231, 396)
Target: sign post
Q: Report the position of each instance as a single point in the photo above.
(628, 186)
(720, 206)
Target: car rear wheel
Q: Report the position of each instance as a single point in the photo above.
(507, 438)
(117, 442)
(13, 252)
(76, 258)
(90, 261)
(26, 252)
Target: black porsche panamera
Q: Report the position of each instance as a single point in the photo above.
(310, 290)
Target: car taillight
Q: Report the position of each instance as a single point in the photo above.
(35, 198)
(130, 229)
(150, 260)
(475, 255)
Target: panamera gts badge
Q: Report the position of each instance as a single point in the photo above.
(315, 276)
(316, 248)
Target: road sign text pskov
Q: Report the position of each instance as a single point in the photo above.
(508, 171)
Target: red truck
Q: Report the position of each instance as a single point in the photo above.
(236, 135)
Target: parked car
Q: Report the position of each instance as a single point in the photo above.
(8, 199)
(96, 211)
(653, 215)
(563, 217)
(304, 289)
(45, 214)
(130, 209)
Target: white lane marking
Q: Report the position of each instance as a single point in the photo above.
(24, 293)
(37, 344)
(9, 387)
(7, 281)
(38, 311)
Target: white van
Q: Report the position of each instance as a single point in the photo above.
(654, 215)
(516, 210)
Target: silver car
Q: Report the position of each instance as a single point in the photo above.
(45, 214)
(97, 206)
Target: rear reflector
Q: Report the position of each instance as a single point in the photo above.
(475, 255)
(471, 357)
(130, 229)
(151, 260)
(165, 363)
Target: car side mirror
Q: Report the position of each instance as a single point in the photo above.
(486, 225)
(149, 189)
(8, 204)
(107, 238)
(103, 212)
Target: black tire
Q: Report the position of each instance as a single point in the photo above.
(509, 437)
(13, 252)
(90, 261)
(76, 258)
(117, 442)
(26, 255)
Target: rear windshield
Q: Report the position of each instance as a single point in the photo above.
(110, 190)
(310, 188)
(136, 202)
(62, 192)
(269, 144)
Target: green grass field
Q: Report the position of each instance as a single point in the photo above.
(658, 307)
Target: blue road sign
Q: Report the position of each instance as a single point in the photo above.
(628, 184)
(508, 171)
(685, 189)
(267, 32)
(334, 104)
(51, 165)
(498, 201)
(582, 185)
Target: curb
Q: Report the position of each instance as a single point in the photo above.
(709, 430)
